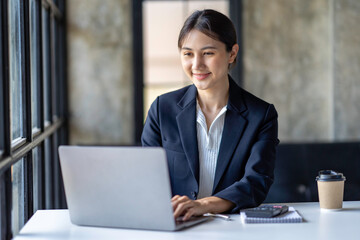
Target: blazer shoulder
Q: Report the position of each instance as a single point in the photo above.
(257, 106)
(245, 101)
(252, 100)
(181, 97)
(176, 94)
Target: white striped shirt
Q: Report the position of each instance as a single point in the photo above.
(208, 145)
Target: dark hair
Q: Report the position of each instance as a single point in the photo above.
(213, 24)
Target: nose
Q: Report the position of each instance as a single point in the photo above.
(198, 63)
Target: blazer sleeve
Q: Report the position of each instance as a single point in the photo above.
(151, 135)
(253, 187)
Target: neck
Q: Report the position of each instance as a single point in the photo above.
(214, 100)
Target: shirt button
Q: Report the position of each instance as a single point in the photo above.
(193, 194)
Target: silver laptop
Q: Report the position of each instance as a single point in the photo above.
(126, 187)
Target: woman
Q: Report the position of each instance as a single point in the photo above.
(220, 140)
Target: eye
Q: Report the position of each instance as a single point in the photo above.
(208, 53)
(187, 53)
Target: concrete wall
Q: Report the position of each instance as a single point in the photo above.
(304, 57)
(346, 69)
(301, 55)
(100, 71)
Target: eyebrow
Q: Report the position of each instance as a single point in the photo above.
(204, 48)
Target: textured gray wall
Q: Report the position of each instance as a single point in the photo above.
(100, 71)
(303, 56)
(347, 69)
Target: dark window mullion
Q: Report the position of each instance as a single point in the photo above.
(62, 108)
(42, 172)
(28, 164)
(51, 162)
(138, 68)
(25, 66)
(6, 81)
(40, 114)
(42, 178)
(2, 69)
(48, 112)
(28, 186)
(55, 111)
(8, 204)
(2, 207)
(62, 140)
(56, 171)
(53, 68)
(6, 194)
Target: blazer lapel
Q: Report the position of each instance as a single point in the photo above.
(234, 126)
(186, 121)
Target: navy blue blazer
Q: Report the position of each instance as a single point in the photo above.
(246, 160)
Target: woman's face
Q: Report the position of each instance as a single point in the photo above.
(206, 61)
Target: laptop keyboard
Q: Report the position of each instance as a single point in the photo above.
(180, 221)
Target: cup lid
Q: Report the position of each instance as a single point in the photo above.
(330, 175)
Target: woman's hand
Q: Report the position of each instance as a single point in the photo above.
(183, 206)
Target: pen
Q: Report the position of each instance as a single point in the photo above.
(222, 216)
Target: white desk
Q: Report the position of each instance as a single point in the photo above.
(344, 224)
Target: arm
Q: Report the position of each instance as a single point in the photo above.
(258, 176)
(151, 135)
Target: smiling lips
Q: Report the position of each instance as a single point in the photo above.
(200, 76)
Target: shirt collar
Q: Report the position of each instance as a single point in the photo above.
(200, 117)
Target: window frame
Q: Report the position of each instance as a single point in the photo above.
(55, 132)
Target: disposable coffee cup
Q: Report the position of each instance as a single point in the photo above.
(330, 189)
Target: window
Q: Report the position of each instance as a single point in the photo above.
(37, 188)
(29, 135)
(54, 65)
(17, 210)
(35, 68)
(48, 174)
(15, 56)
(46, 65)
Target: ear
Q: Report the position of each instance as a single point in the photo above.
(233, 53)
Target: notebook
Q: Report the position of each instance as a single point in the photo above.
(125, 187)
(292, 216)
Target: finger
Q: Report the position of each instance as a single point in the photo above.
(177, 200)
(182, 207)
(179, 210)
(189, 213)
(195, 209)
(175, 197)
(174, 201)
